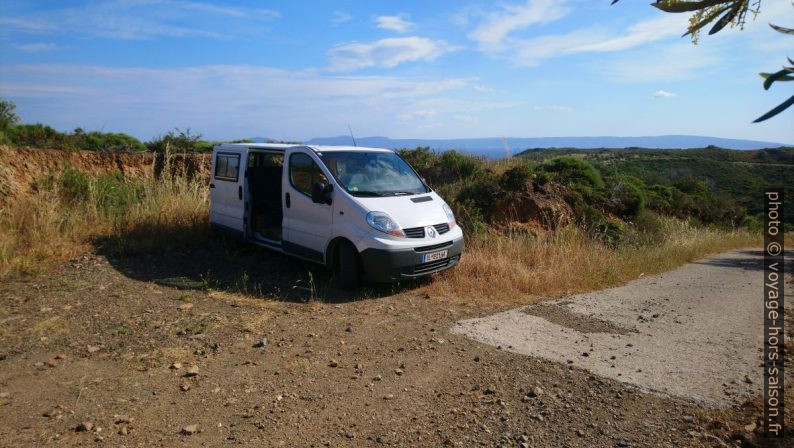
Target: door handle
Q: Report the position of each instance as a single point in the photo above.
(240, 192)
(212, 185)
(287, 199)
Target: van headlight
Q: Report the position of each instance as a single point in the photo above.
(450, 216)
(383, 222)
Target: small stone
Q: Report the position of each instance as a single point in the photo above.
(490, 390)
(333, 363)
(535, 392)
(119, 419)
(189, 430)
(747, 379)
(84, 427)
(623, 443)
(750, 428)
(93, 348)
(585, 354)
(175, 366)
(192, 371)
(184, 386)
(389, 397)
(260, 343)
(53, 413)
(377, 378)
(350, 435)
(60, 356)
(689, 419)
(580, 433)
(381, 440)
(349, 329)
(476, 359)
(398, 372)
(4, 395)
(185, 306)
(124, 431)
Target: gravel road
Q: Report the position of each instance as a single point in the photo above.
(693, 333)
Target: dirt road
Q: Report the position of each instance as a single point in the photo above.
(102, 353)
(694, 332)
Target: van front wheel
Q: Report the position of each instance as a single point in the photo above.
(347, 266)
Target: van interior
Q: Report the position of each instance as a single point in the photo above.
(264, 173)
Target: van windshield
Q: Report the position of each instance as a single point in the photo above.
(371, 173)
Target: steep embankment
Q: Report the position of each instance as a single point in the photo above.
(22, 168)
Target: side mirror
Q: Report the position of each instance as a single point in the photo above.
(321, 193)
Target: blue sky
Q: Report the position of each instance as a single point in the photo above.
(409, 69)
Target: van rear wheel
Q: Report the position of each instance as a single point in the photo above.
(347, 266)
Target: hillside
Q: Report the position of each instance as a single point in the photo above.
(495, 146)
(740, 175)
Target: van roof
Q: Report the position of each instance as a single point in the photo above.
(282, 147)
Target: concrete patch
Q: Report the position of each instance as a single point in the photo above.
(693, 333)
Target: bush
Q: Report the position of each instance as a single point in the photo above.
(105, 141)
(179, 141)
(627, 199)
(420, 158)
(74, 185)
(480, 195)
(38, 135)
(516, 178)
(571, 170)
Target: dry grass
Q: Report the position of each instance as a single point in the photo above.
(500, 268)
(48, 226)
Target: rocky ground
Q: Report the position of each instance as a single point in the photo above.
(140, 352)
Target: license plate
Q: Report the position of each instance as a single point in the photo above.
(434, 256)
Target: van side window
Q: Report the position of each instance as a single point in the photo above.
(227, 167)
(303, 173)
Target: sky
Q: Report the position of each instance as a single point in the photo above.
(294, 70)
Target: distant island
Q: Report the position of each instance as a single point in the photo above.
(499, 147)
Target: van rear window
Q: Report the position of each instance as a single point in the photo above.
(227, 167)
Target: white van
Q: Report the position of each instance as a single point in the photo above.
(362, 211)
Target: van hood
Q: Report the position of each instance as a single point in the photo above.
(409, 211)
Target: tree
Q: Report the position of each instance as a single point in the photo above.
(729, 12)
(7, 116)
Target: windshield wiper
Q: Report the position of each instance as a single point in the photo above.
(402, 193)
(365, 193)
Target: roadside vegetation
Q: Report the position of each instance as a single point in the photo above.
(542, 223)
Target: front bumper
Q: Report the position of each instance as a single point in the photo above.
(388, 265)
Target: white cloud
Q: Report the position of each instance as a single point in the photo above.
(491, 35)
(418, 115)
(672, 62)
(244, 100)
(386, 53)
(339, 17)
(662, 27)
(36, 47)
(398, 23)
(664, 94)
(468, 119)
(554, 108)
(482, 88)
(145, 19)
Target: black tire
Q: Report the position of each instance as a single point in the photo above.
(347, 266)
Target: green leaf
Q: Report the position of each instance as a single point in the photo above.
(706, 20)
(667, 6)
(780, 108)
(726, 19)
(781, 29)
(782, 75)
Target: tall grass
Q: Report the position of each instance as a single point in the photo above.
(71, 213)
(507, 268)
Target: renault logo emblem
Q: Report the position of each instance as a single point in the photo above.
(431, 232)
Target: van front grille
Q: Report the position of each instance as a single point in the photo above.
(431, 266)
(415, 232)
(442, 228)
(419, 232)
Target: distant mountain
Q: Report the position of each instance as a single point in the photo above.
(495, 147)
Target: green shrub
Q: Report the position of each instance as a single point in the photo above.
(570, 170)
(112, 194)
(420, 158)
(480, 195)
(105, 141)
(516, 178)
(627, 199)
(179, 141)
(38, 135)
(75, 185)
(459, 166)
